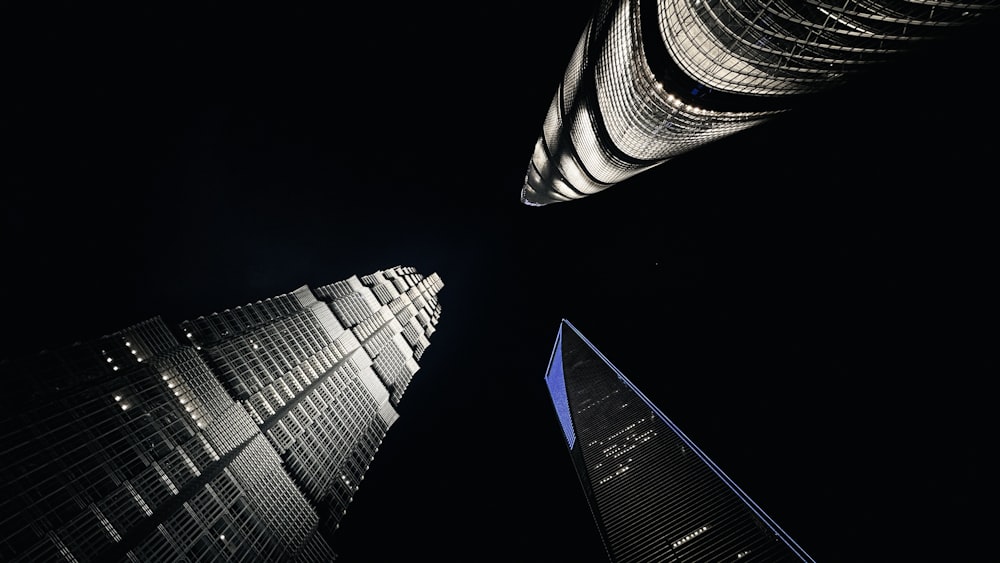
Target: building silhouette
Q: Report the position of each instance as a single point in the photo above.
(650, 81)
(241, 437)
(654, 495)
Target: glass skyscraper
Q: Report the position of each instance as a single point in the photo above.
(241, 437)
(652, 80)
(654, 495)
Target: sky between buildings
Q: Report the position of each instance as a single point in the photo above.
(805, 300)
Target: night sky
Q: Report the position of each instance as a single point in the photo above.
(812, 301)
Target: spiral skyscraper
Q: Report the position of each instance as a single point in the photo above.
(651, 80)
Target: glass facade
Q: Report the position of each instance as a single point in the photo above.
(245, 443)
(653, 494)
(650, 81)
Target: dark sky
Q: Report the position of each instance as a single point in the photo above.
(811, 301)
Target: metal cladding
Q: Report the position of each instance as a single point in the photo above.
(242, 438)
(650, 81)
(654, 495)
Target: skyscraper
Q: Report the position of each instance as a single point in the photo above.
(649, 81)
(654, 495)
(247, 442)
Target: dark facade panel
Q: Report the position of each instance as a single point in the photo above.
(654, 495)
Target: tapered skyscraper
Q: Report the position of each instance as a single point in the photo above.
(241, 438)
(654, 495)
(651, 80)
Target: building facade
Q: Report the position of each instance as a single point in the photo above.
(654, 495)
(241, 437)
(652, 80)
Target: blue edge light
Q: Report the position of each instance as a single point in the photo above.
(557, 390)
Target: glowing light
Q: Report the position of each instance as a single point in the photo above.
(847, 23)
(691, 536)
